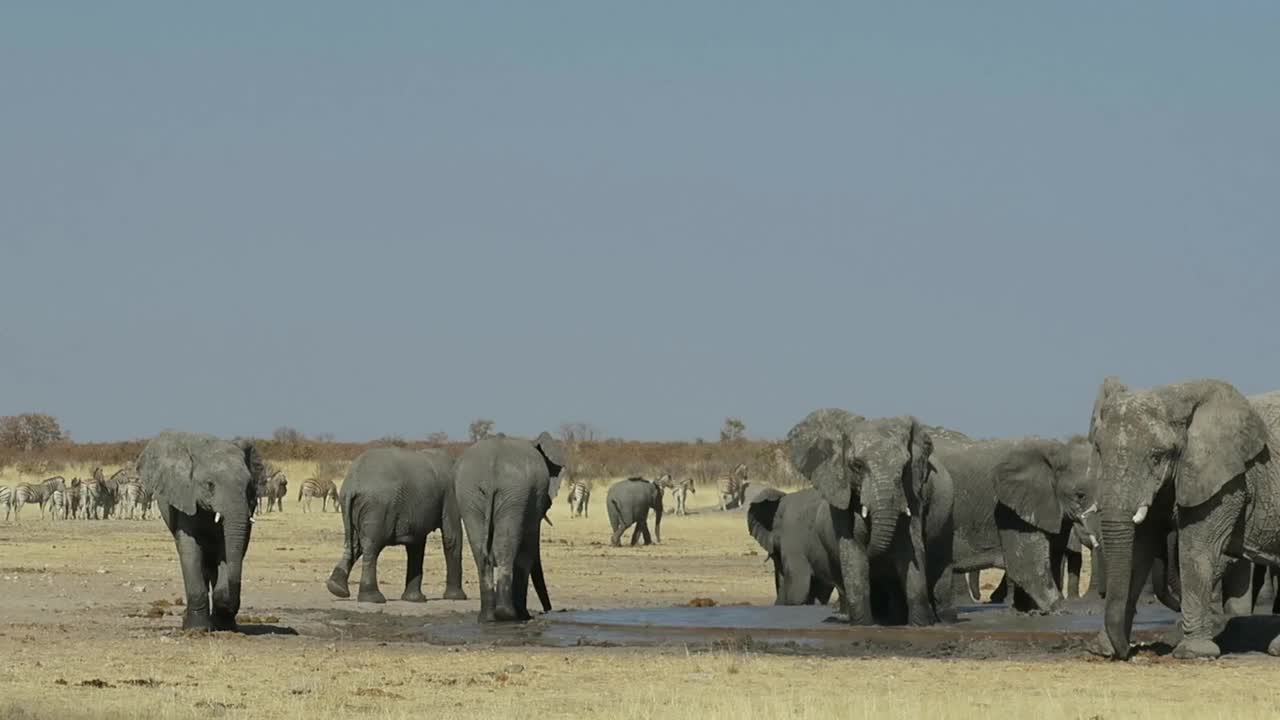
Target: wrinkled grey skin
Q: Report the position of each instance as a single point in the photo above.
(1016, 501)
(205, 490)
(873, 474)
(505, 487)
(1192, 457)
(393, 496)
(628, 503)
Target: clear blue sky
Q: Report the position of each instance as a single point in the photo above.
(372, 218)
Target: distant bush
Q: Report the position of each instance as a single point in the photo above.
(30, 432)
(480, 429)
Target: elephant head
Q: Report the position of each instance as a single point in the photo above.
(762, 509)
(876, 468)
(1042, 481)
(1177, 443)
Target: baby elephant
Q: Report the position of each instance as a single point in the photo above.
(397, 497)
(628, 503)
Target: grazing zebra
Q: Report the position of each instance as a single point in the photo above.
(680, 492)
(579, 496)
(322, 488)
(6, 500)
(74, 498)
(733, 488)
(273, 490)
(91, 492)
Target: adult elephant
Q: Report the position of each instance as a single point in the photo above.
(505, 487)
(1016, 503)
(393, 496)
(1195, 457)
(628, 503)
(205, 488)
(873, 474)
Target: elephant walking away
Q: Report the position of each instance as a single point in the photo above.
(505, 487)
(891, 514)
(394, 496)
(1196, 458)
(205, 488)
(1017, 501)
(629, 502)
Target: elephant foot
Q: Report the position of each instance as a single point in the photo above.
(413, 596)
(1274, 648)
(224, 621)
(197, 621)
(1101, 646)
(371, 596)
(1196, 649)
(337, 585)
(454, 594)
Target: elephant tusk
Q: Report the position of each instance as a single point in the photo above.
(865, 511)
(252, 520)
(907, 511)
(1089, 510)
(1141, 515)
(217, 517)
(1093, 540)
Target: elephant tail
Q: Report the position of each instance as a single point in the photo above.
(348, 524)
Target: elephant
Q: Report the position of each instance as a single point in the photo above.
(796, 531)
(1017, 502)
(1192, 457)
(874, 475)
(628, 503)
(505, 487)
(205, 489)
(393, 496)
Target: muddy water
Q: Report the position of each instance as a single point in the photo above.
(983, 631)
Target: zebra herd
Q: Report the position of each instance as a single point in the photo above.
(94, 498)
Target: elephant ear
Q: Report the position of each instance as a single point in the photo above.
(168, 471)
(1024, 482)
(921, 446)
(553, 452)
(1224, 436)
(761, 512)
(819, 447)
(257, 471)
(1111, 389)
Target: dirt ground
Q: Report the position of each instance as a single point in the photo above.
(89, 629)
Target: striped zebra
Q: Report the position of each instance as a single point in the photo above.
(130, 500)
(322, 488)
(272, 489)
(51, 492)
(680, 491)
(733, 488)
(6, 500)
(91, 495)
(579, 497)
(74, 498)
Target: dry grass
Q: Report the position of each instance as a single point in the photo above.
(89, 631)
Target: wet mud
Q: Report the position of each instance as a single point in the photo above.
(982, 632)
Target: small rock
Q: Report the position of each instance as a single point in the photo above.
(139, 588)
(103, 571)
(513, 669)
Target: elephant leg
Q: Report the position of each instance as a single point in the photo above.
(338, 579)
(415, 551)
(194, 582)
(225, 599)
(369, 591)
(619, 527)
(520, 580)
(643, 527)
(855, 567)
(451, 543)
(1075, 563)
(1204, 532)
(1237, 595)
(919, 609)
(1027, 556)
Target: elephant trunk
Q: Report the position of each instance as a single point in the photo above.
(226, 594)
(1118, 539)
(884, 525)
(540, 583)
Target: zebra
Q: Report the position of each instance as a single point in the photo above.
(52, 492)
(131, 500)
(273, 489)
(733, 488)
(322, 488)
(579, 497)
(6, 500)
(91, 493)
(680, 492)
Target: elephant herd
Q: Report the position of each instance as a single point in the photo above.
(1174, 485)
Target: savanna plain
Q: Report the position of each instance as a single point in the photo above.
(90, 627)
